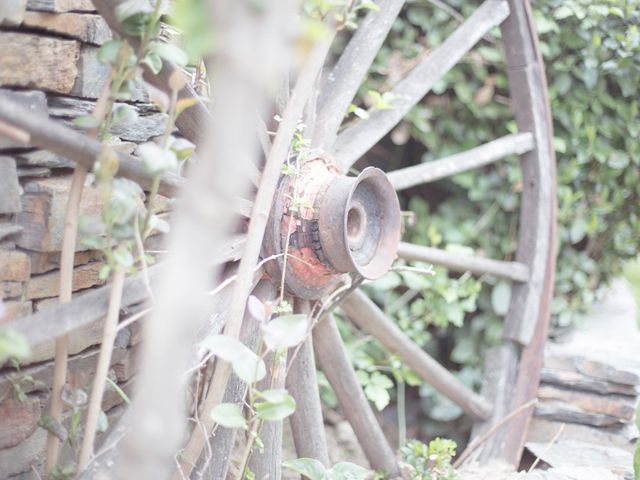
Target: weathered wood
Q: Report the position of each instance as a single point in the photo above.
(306, 422)
(477, 157)
(9, 230)
(530, 107)
(500, 372)
(347, 75)
(50, 135)
(336, 365)
(69, 107)
(268, 464)
(35, 101)
(35, 61)
(85, 27)
(516, 271)
(61, 5)
(356, 140)
(366, 315)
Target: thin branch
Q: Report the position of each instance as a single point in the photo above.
(480, 440)
(102, 370)
(546, 449)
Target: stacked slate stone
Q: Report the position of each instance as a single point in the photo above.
(48, 63)
(590, 384)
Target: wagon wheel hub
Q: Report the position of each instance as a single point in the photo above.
(330, 224)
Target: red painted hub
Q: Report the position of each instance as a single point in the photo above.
(330, 225)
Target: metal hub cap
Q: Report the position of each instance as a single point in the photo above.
(334, 225)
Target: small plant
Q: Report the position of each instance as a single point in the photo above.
(314, 470)
(430, 462)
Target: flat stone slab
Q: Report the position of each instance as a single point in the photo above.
(571, 454)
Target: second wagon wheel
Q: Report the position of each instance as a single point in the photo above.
(325, 224)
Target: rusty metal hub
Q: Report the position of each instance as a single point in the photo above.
(329, 225)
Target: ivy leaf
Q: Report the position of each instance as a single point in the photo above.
(229, 415)
(346, 471)
(285, 331)
(277, 404)
(377, 390)
(501, 297)
(246, 364)
(309, 467)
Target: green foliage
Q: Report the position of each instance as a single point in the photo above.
(12, 345)
(314, 470)
(229, 415)
(430, 462)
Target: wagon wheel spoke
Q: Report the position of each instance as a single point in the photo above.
(336, 365)
(346, 76)
(366, 315)
(306, 421)
(358, 139)
(516, 271)
(477, 157)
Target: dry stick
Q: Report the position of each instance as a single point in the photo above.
(66, 287)
(67, 256)
(257, 224)
(546, 449)
(480, 440)
(97, 391)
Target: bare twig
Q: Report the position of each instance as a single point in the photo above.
(67, 256)
(546, 449)
(473, 446)
(102, 370)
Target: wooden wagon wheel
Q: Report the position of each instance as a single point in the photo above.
(331, 234)
(354, 227)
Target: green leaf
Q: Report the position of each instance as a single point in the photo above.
(170, 52)
(124, 113)
(123, 257)
(229, 415)
(153, 61)
(377, 390)
(103, 422)
(157, 160)
(12, 343)
(246, 364)
(636, 463)
(277, 404)
(309, 467)
(285, 331)
(108, 52)
(347, 471)
(501, 297)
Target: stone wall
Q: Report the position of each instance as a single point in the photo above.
(48, 62)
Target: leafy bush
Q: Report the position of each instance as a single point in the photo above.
(592, 56)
